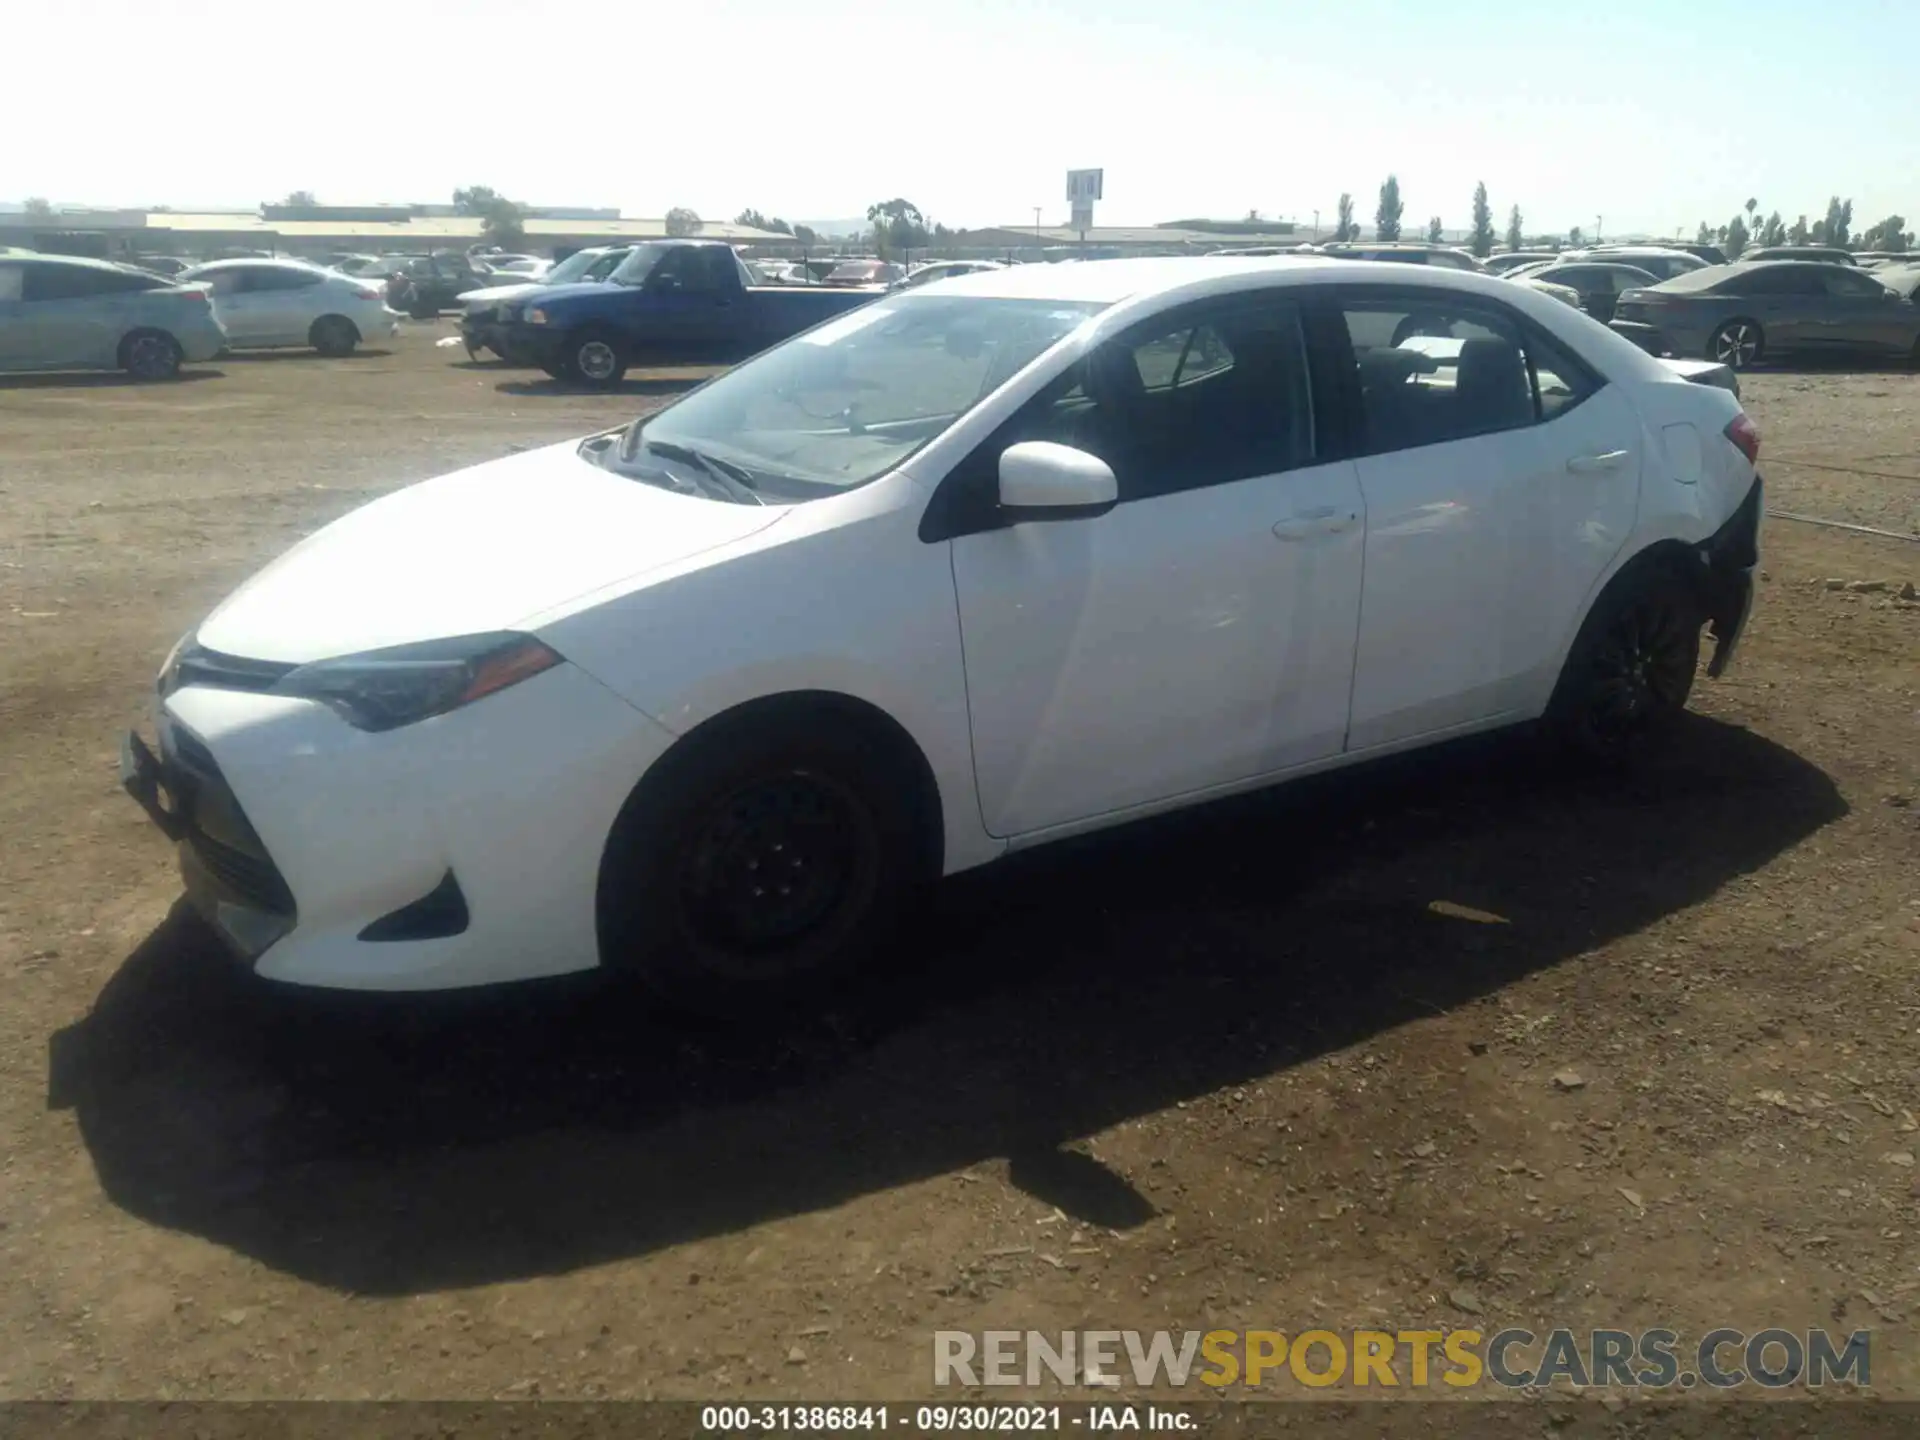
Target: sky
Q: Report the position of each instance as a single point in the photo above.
(1628, 115)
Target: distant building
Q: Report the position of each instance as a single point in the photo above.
(314, 230)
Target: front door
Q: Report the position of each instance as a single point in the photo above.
(1863, 314)
(690, 300)
(1501, 477)
(1200, 632)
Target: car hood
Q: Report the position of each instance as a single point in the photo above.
(495, 294)
(478, 550)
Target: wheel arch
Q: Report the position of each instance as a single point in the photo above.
(346, 320)
(137, 332)
(887, 734)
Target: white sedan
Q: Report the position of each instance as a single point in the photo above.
(265, 304)
(971, 568)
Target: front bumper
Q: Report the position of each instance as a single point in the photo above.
(462, 850)
(487, 332)
(540, 344)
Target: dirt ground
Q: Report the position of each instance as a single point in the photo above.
(1272, 1065)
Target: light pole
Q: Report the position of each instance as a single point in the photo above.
(1596, 228)
(1316, 227)
(1036, 224)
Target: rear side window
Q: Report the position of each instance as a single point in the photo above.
(275, 277)
(10, 278)
(78, 282)
(1852, 285)
(1431, 369)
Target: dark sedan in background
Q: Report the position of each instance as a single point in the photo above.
(1599, 285)
(1738, 314)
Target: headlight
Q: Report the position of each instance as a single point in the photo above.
(171, 663)
(385, 689)
(535, 316)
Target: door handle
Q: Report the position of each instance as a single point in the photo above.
(1308, 524)
(1593, 464)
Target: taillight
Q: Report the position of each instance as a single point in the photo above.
(201, 295)
(1746, 436)
(367, 293)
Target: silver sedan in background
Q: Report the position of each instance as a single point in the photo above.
(1738, 314)
(59, 312)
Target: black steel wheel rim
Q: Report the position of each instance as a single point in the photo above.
(775, 864)
(150, 356)
(1641, 670)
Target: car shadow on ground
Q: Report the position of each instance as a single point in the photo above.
(402, 1145)
(101, 379)
(294, 352)
(650, 385)
(1834, 365)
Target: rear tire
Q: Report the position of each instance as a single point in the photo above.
(1737, 344)
(761, 866)
(333, 336)
(151, 355)
(1631, 669)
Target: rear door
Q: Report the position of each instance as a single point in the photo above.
(1863, 314)
(1500, 476)
(16, 347)
(69, 313)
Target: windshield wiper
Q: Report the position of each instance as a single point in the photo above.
(733, 482)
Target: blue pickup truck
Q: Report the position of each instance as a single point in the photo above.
(673, 302)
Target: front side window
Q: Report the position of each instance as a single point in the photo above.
(10, 277)
(1432, 369)
(852, 399)
(1208, 398)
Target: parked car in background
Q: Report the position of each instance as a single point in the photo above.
(168, 265)
(1662, 262)
(1828, 254)
(933, 270)
(1513, 259)
(1902, 279)
(1873, 259)
(710, 698)
(522, 267)
(1738, 314)
(271, 304)
(484, 312)
(687, 302)
(435, 282)
(1596, 283)
(66, 313)
(1403, 252)
(864, 272)
(1565, 294)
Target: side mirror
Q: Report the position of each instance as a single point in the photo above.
(1040, 480)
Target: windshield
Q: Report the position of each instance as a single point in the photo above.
(852, 399)
(636, 267)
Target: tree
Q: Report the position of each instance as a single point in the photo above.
(1480, 239)
(1703, 236)
(898, 226)
(806, 234)
(779, 226)
(1798, 233)
(753, 218)
(1515, 239)
(1890, 234)
(1751, 206)
(504, 222)
(682, 222)
(38, 207)
(1737, 237)
(1773, 232)
(1839, 217)
(1435, 234)
(300, 200)
(1386, 217)
(1576, 238)
(1345, 227)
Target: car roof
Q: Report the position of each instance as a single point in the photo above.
(1109, 282)
(85, 261)
(288, 263)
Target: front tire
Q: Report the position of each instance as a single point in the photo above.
(760, 867)
(151, 355)
(1737, 344)
(333, 336)
(1631, 669)
(597, 359)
